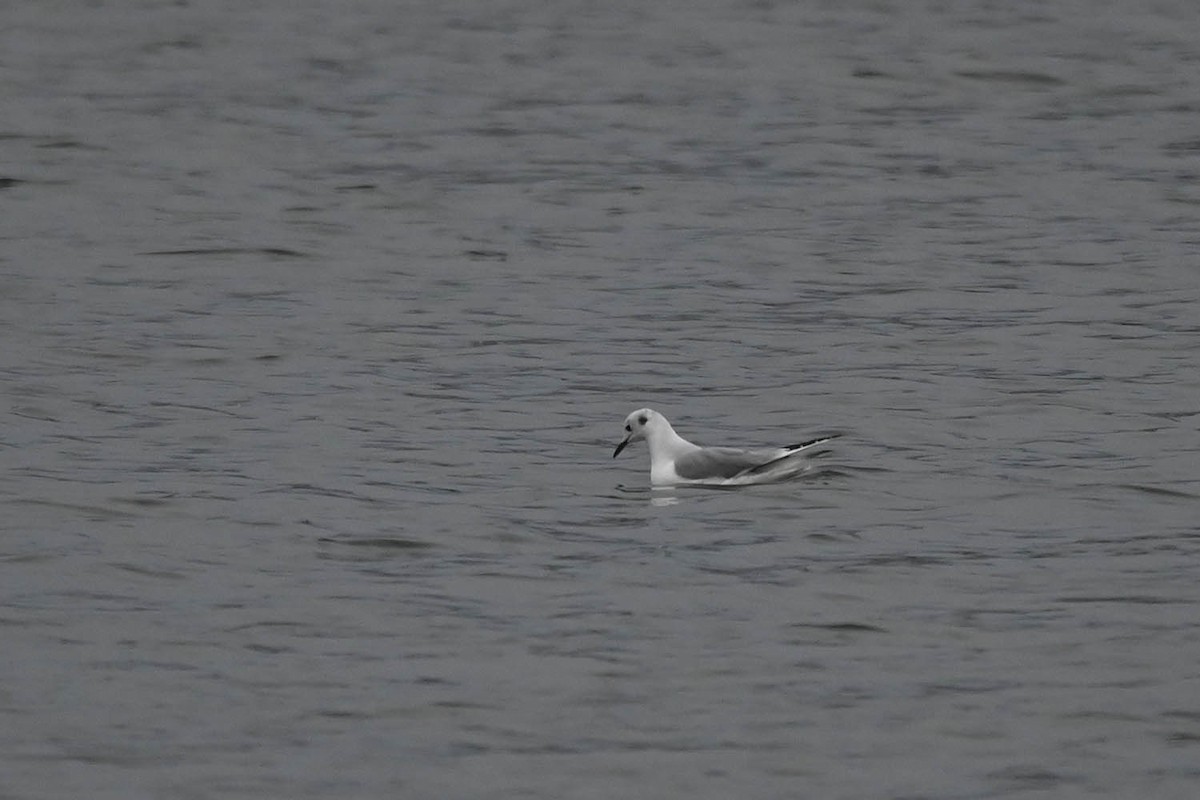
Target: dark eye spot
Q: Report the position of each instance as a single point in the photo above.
(641, 420)
(627, 428)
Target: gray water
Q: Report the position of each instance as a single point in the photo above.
(320, 322)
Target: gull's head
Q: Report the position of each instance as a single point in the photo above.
(638, 425)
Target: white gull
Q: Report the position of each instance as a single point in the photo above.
(675, 461)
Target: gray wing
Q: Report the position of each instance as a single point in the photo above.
(720, 462)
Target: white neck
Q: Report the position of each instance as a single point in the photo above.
(665, 444)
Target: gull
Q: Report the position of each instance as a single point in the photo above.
(675, 461)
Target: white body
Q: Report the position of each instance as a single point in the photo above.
(676, 461)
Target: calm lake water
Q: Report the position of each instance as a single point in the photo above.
(320, 322)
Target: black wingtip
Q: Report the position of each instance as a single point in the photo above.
(812, 442)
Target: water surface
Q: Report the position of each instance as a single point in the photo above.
(320, 323)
